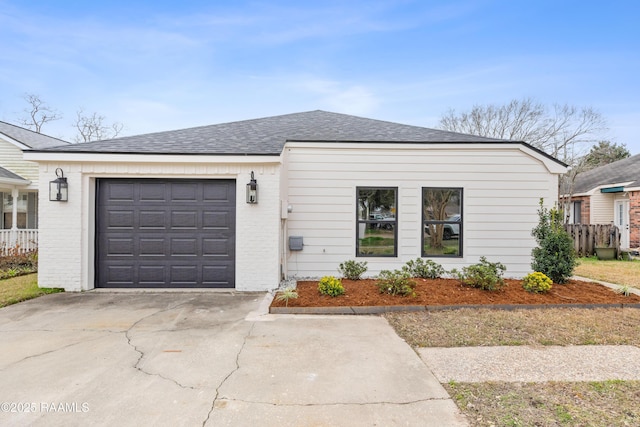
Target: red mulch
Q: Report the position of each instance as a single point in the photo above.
(452, 292)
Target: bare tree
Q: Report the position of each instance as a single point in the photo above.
(38, 113)
(562, 131)
(93, 127)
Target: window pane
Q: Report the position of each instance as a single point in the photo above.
(377, 222)
(442, 213)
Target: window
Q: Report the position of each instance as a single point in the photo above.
(377, 221)
(575, 213)
(26, 205)
(442, 220)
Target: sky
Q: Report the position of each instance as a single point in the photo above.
(162, 65)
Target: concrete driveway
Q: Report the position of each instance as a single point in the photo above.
(206, 359)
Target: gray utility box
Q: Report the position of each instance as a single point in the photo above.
(295, 243)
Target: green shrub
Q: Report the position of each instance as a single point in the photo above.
(331, 286)
(536, 282)
(352, 270)
(425, 269)
(395, 282)
(484, 275)
(555, 255)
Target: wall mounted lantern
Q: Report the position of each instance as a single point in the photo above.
(58, 188)
(252, 191)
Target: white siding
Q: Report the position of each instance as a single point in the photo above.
(502, 188)
(66, 254)
(11, 159)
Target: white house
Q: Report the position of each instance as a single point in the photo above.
(19, 186)
(175, 209)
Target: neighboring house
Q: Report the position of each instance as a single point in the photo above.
(171, 209)
(19, 186)
(610, 194)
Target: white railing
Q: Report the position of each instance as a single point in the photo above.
(24, 240)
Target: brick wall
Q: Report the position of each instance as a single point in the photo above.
(634, 219)
(66, 235)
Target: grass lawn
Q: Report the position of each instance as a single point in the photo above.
(21, 288)
(618, 272)
(605, 403)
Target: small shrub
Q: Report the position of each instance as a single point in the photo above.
(352, 270)
(425, 269)
(484, 275)
(555, 255)
(624, 290)
(395, 282)
(536, 283)
(331, 286)
(286, 295)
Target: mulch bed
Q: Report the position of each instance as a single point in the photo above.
(450, 292)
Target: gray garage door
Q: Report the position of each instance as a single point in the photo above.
(160, 233)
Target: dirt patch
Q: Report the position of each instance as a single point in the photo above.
(439, 292)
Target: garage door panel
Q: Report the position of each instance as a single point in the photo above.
(119, 219)
(120, 247)
(153, 192)
(163, 233)
(216, 248)
(217, 220)
(211, 275)
(184, 274)
(120, 274)
(150, 247)
(152, 220)
(181, 192)
(215, 193)
(121, 192)
(184, 220)
(184, 247)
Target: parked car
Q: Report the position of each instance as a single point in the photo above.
(449, 230)
(386, 223)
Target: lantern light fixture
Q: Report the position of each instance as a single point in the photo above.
(252, 191)
(58, 188)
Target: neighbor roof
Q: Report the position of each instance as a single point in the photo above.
(267, 136)
(6, 176)
(33, 140)
(622, 171)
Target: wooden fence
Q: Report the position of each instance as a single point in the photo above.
(587, 236)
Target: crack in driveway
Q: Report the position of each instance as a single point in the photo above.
(233, 371)
(127, 335)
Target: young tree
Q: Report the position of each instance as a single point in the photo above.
(37, 114)
(561, 131)
(93, 127)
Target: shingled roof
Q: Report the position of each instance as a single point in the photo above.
(622, 171)
(8, 175)
(267, 136)
(33, 140)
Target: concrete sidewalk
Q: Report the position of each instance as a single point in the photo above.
(207, 359)
(533, 364)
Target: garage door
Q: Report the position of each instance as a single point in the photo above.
(155, 233)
